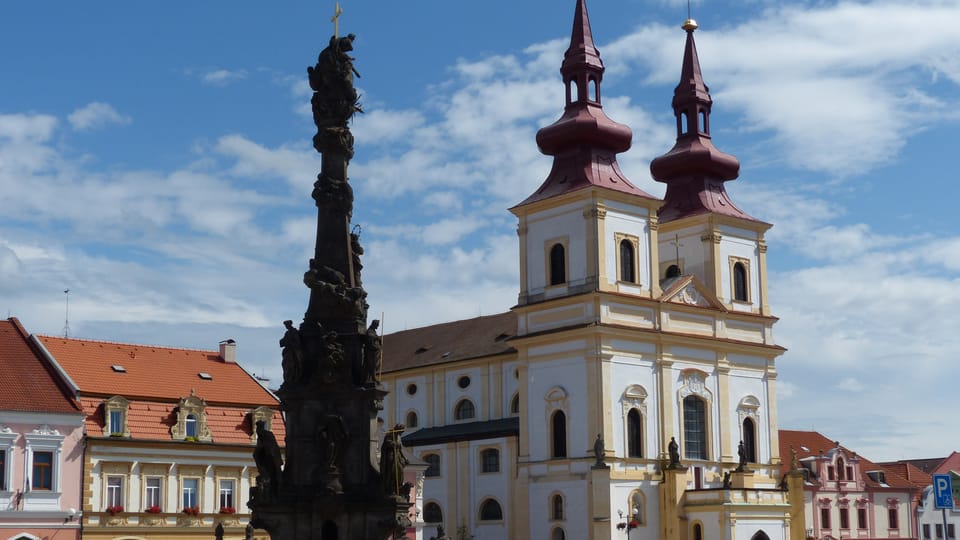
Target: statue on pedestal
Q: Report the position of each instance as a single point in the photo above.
(269, 462)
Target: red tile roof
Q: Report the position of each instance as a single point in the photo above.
(27, 382)
(154, 373)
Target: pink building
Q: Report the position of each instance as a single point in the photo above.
(41, 450)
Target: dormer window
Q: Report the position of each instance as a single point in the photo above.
(115, 412)
(191, 421)
(191, 426)
(264, 414)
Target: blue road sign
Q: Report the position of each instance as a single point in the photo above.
(942, 492)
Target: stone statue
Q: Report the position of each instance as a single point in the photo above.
(218, 532)
(331, 435)
(331, 356)
(674, 449)
(248, 532)
(392, 461)
(356, 250)
(372, 347)
(292, 353)
(335, 98)
(742, 453)
(794, 464)
(598, 452)
(268, 460)
(726, 480)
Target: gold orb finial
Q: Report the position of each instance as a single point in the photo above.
(689, 25)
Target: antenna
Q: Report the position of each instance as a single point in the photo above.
(66, 317)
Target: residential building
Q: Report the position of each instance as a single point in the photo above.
(632, 389)
(936, 523)
(848, 496)
(41, 435)
(170, 435)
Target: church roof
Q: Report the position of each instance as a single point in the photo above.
(469, 431)
(103, 368)
(27, 382)
(584, 141)
(449, 342)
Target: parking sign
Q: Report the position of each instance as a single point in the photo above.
(942, 492)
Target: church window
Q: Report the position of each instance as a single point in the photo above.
(558, 265)
(411, 389)
(703, 122)
(760, 535)
(558, 534)
(490, 460)
(694, 428)
(558, 423)
(628, 258)
(412, 420)
(432, 513)
(42, 471)
(750, 440)
(556, 507)
(634, 434)
(464, 410)
(463, 382)
(740, 290)
(433, 465)
(697, 531)
(596, 89)
(515, 404)
(672, 272)
(490, 511)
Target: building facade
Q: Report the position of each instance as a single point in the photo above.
(41, 435)
(169, 439)
(632, 389)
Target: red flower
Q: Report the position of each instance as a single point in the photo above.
(228, 510)
(192, 511)
(115, 509)
(633, 524)
(155, 509)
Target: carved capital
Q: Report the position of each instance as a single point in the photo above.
(654, 223)
(521, 230)
(762, 246)
(599, 212)
(715, 237)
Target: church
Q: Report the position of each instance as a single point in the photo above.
(631, 391)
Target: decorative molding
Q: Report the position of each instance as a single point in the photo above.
(693, 382)
(762, 246)
(749, 407)
(5, 429)
(600, 212)
(197, 407)
(654, 223)
(556, 400)
(715, 237)
(690, 295)
(116, 403)
(45, 429)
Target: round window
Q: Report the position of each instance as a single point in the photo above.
(411, 389)
(463, 382)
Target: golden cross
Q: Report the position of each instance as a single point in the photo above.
(336, 18)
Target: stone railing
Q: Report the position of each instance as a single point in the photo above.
(163, 519)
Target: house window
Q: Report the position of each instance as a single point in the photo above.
(190, 492)
(740, 291)
(824, 518)
(412, 420)
(515, 404)
(558, 265)
(433, 465)
(926, 530)
(844, 518)
(831, 473)
(464, 410)
(42, 471)
(634, 434)
(153, 494)
(3, 469)
(116, 422)
(861, 518)
(750, 440)
(490, 460)
(556, 507)
(628, 265)
(432, 513)
(849, 472)
(490, 511)
(114, 491)
(191, 426)
(951, 531)
(694, 428)
(559, 435)
(939, 530)
(226, 494)
(893, 518)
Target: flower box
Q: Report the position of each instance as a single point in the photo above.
(115, 509)
(192, 511)
(155, 509)
(228, 510)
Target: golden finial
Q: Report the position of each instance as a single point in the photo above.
(336, 19)
(689, 25)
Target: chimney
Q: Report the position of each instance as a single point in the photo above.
(228, 351)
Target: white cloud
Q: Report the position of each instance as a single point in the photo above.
(96, 115)
(222, 77)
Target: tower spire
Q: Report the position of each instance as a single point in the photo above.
(694, 169)
(584, 141)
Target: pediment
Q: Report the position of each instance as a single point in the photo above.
(690, 291)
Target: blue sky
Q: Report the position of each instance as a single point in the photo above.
(156, 160)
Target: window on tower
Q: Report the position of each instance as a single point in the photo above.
(628, 257)
(740, 291)
(558, 265)
(750, 440)
(634, 434)
(694, 428)
(558, 423)
(432, 513)
(464, 410)
(490, 511)
(433, 465)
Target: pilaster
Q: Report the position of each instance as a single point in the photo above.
(601, 522)
(795, 494)
(654, 249)
(671, 494)
(762, 275)
(729, 435)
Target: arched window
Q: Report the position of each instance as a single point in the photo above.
(515, 404)
(628, 271)
(638, 507)
(558, 265)
(433, 465)
(672, 272)
(559, 435)
(464, 410)
(740, 282)
(191, 425)
(329, 531)
(412, 419)
(490, 511)
(697, 531)
(703, 122)
(490, 460)
(634, 434)
(760, 535)
(432, 513)
(694, 428)
(595, 88)
(840, 469)
(556, 507)
(558, 534)
(750, 440)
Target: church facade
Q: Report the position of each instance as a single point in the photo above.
(631, 392)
